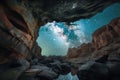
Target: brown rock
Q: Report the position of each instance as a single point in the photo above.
(106, 34)
(106, 41)
(18, 30)
(83, 52)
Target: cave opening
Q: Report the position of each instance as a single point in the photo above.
(72, 49)
(55, 38)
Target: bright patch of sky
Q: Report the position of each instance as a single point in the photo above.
(56, 37)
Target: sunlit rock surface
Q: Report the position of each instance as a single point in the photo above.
(106, 34)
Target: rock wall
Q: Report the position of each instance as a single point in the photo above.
(106, 40)
(83, 51)
(67, 10)
(19, 31)
(106, 34)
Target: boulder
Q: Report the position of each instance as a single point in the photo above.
(48, 74)
(14, 70)
(114, 70)
(112, 51)
(38, 72)
(60, 67)
(93, 71)
(115, 56)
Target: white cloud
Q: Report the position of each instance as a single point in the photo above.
(58, 32)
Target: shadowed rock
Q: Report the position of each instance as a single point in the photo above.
(67, 10)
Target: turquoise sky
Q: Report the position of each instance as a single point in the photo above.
(55, 38)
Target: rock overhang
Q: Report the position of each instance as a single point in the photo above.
(67, 10)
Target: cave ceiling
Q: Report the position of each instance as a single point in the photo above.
(66, 10)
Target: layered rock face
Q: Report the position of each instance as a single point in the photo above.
(103, 63)
(105, 39)
(83, 52)
(67, 10)
(18, 30)
(106, 34)
(18, 34)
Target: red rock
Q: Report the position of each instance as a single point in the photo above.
(19, 30)
(106, 34)
(106, 41)
(112, 50)
(83, 51)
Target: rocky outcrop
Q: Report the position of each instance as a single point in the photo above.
(105, 41)
(13, 69)
(113, 50)
(47, 68)
(104, 62)
(100, 71)
(83, 52)
(18, 30)
(106, 34)
(93, 71)
(66, 10)
(40, 72)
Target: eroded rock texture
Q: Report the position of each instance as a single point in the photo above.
(20, 20)
(18, 30)
(105, 41)
(67, 10)
(103, 63)
(106, 34)
(83, 52)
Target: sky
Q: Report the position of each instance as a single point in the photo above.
(55, 38)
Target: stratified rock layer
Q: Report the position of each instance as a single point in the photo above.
(18, 30)
(106, 40)
(106, 34)
(67, 10)
(103, 63)
(83, 52)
